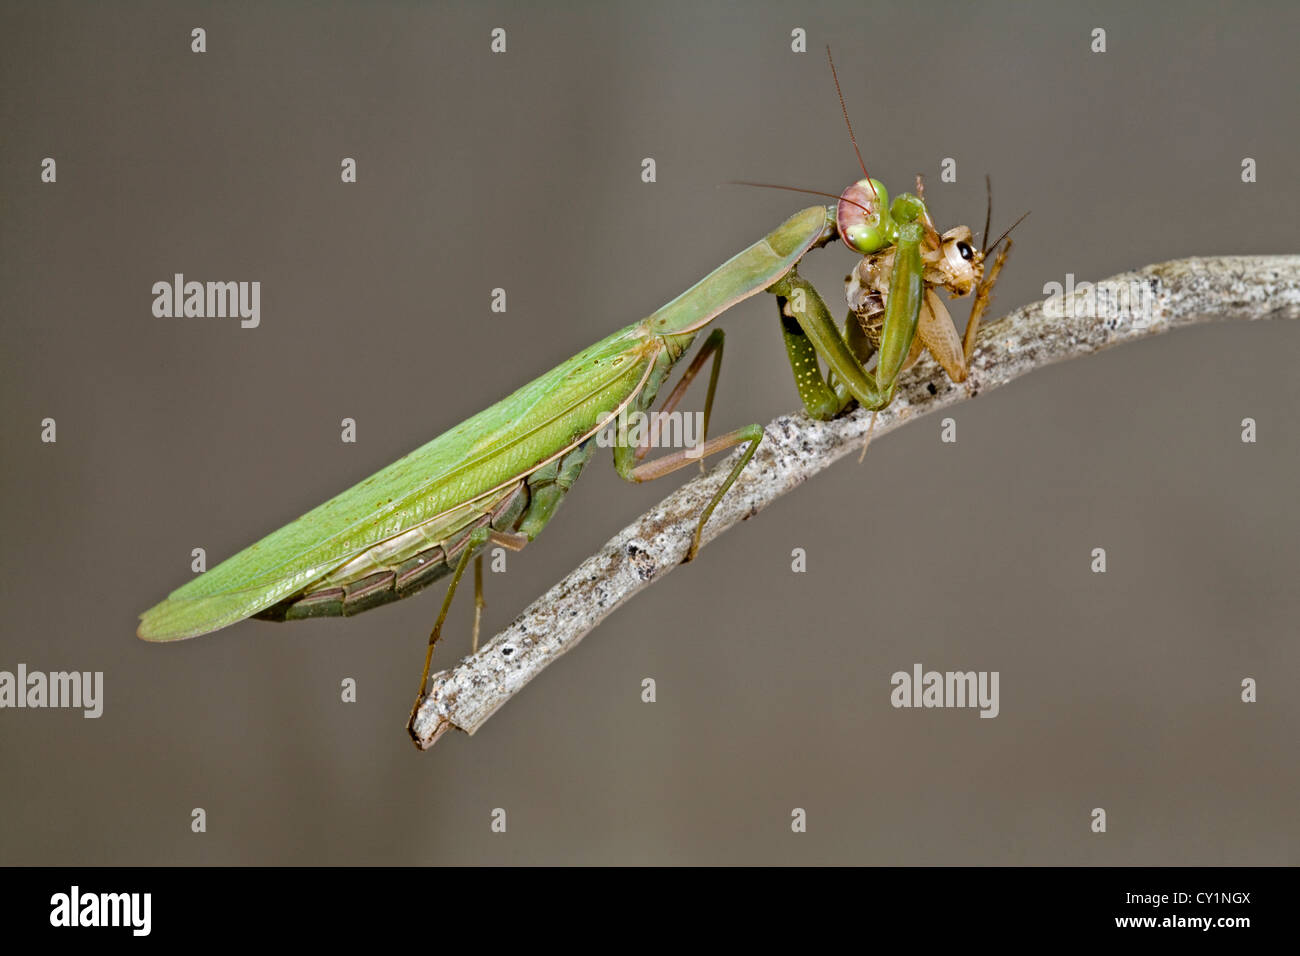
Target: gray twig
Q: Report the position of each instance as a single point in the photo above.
(1136, 305)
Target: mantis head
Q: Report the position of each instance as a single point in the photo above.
(862, 217)
(869, 223)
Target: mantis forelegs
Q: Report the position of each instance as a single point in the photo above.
(818, 337)
(821, 400)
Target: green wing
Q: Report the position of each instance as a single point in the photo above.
(500, 444)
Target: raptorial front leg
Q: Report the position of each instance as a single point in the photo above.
(873, 390)
(906, 291)
(817, 330)
(821, 400)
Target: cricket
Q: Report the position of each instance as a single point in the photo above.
(498, 477)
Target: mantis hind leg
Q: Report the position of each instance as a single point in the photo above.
(476, 541)
(479, 603)
(508, 539)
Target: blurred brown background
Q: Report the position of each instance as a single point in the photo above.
(523, 171)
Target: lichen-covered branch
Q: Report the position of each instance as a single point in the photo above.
(1124, 308)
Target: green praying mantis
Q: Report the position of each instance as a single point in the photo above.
(498, 477)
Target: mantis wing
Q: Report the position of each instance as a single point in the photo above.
(495, 448)
(498, 446)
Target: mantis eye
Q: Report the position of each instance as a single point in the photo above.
(862, 217)
(965, 251)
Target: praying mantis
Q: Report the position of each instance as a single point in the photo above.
(498, 477)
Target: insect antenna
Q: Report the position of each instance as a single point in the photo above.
(845, 110)
(1007, 233)
(988, 213)
(798, 189)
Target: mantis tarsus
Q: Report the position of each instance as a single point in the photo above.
(499, 476)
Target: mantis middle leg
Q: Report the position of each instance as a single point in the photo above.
(626, 456)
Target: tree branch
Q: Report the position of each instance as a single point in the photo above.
(1134, 305)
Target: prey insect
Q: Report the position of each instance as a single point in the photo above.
(498, 477)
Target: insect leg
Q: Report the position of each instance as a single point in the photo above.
(712, 346)
(476, 541)
(983, 295)
(903, 306)
(479, 603)
(507, 539)
(806, 307)
(625, 456)
(821, 400)
(684, 456)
